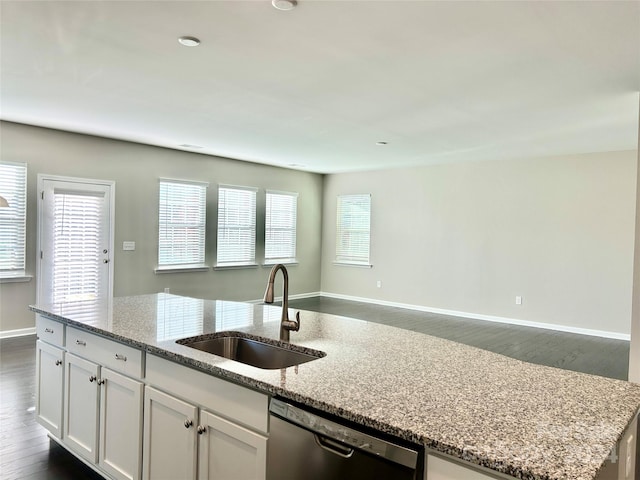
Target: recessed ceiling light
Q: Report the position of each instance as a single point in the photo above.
(189, 41)
(188, 145)
(284, 4)
(381, 143)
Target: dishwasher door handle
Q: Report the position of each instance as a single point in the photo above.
(333, 446)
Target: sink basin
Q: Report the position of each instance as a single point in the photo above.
(251, 351)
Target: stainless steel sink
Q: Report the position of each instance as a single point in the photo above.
(251, 351)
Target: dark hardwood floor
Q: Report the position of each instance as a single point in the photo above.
(580, 353)
(27, 453)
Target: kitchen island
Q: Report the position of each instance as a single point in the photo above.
(512, 417)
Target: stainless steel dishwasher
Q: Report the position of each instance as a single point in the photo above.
(305, 446)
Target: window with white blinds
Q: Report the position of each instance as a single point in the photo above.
(178, 317)
(236, 226)
(77, 246)
(353, 229)
(13, 188)
(280, 227)
(182, 224)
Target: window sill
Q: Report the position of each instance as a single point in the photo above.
(283, 262)
(235, 266)
(22, 278)
(353, 264)
(181, 269)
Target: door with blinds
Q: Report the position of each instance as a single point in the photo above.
(75, 240)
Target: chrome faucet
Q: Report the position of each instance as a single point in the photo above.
(286, 325)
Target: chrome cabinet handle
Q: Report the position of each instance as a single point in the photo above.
(102, 381)
(121, 357)
(188, 423)
(201, 429)
(48, 330)
(81, 342)
(93, 378)
(58, 362)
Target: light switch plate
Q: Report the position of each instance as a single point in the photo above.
(128, 246)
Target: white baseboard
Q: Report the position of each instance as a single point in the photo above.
(21, 332)
(488, 318)
(291, 297)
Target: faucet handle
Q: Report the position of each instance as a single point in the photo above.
(297, 327)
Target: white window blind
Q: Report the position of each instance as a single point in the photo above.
(178, 317)
(77, 246)
(13, 188)
(236, 226)
(182, 223)
(280, 227)
(353, 229)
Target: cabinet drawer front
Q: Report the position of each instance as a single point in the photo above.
(232, 401)
(50, 331)
(108, 353)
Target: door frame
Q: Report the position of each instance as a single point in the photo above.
(111, 185)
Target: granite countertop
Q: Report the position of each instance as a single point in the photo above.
(529, 421)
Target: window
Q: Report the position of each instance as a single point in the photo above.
(280, 227)
(353, 229)
(236, 226)
(182, 220)
(13, 219)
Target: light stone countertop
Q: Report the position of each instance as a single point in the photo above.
(529, 421)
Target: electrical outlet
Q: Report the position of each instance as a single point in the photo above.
(167, 290)
(518, 300)
(128, 246)
(379, 284)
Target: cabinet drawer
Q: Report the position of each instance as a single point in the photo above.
(232, 401)
(50, 331)
(109, 353)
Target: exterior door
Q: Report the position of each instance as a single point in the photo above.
(75, 240)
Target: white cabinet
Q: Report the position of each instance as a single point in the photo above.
(227, 450)
(442, 469)
(221, 429)
(49, 381)
(87, 399)
(103, 417)
(169, 437)
(178, 436)
(120, 441)
(80, 430)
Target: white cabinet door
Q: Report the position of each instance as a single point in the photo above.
(169, 450)
(441, 469)
(120, 425)
(80, 430)
(49, 381)
(229, 451)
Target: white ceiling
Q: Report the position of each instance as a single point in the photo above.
(318, 86)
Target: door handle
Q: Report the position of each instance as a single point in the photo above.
(333, 446)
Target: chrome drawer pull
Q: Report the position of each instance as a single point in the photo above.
(93, 378)
(58, 362)
(121, 357)
(48, 330)
(101, 381)
(81, 342)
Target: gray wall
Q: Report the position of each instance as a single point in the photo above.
(470, 237)
(135, 168)
(634, 353)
